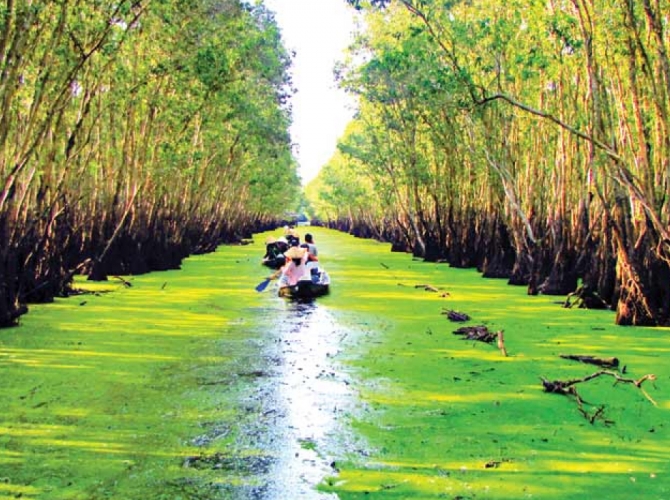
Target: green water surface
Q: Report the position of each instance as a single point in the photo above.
(190, 384)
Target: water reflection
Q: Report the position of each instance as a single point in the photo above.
(309, 395)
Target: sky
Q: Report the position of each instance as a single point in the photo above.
(318, 31)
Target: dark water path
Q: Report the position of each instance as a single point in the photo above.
(301, 400)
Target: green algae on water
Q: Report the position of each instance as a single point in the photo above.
(109, 394)
(448, 418)
(166, 389)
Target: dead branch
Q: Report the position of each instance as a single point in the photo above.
(501, 343)
(481, 333)
(428, 288)
(126, 283)
(455, 315)
(604, 362)
(567, 388)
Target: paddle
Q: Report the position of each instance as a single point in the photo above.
(264, 284)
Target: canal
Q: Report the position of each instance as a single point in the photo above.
(190, 384)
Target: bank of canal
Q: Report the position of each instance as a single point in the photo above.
(190, 384)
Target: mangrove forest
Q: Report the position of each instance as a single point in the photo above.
(530, 140)
(133, 134)
(468, 301)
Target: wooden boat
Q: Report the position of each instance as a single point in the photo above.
(310, 287)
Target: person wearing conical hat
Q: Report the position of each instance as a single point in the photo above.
(293, 237)
(282, 244)
(273, 254)
(295, 267)
(293, 241)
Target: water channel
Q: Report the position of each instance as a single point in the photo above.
(300, 397)
(191, 385)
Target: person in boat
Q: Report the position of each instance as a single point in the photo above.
(270, 247)
(282, 244)
(309, 240)
(310, 256)
(295, 267)
(274, 252)
(292, 236)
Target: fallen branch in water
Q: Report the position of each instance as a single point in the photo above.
(501, 343)
(481, 333)
(567, 388)
(428, 288)
(125, 282)
(455, 315)
(604, 362)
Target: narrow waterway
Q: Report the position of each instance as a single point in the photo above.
(304, 399)
(300, 399)
(192, 380)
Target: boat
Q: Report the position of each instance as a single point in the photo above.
(316, 284)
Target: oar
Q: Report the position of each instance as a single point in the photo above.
(264, 284)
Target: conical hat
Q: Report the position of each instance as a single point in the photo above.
(295, 253)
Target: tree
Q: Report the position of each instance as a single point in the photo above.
(550, 122)
(134, 133)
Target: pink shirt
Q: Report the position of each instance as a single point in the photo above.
(291, 273)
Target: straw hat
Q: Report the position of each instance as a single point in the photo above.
(269, 240)
(295, 253)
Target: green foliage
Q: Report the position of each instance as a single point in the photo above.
(188, 97)
(339, 190)
(423, 69)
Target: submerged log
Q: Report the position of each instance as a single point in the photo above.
(455, 315)
(604, 362)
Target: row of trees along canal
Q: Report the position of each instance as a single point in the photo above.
(134, 133)
(530, 139)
